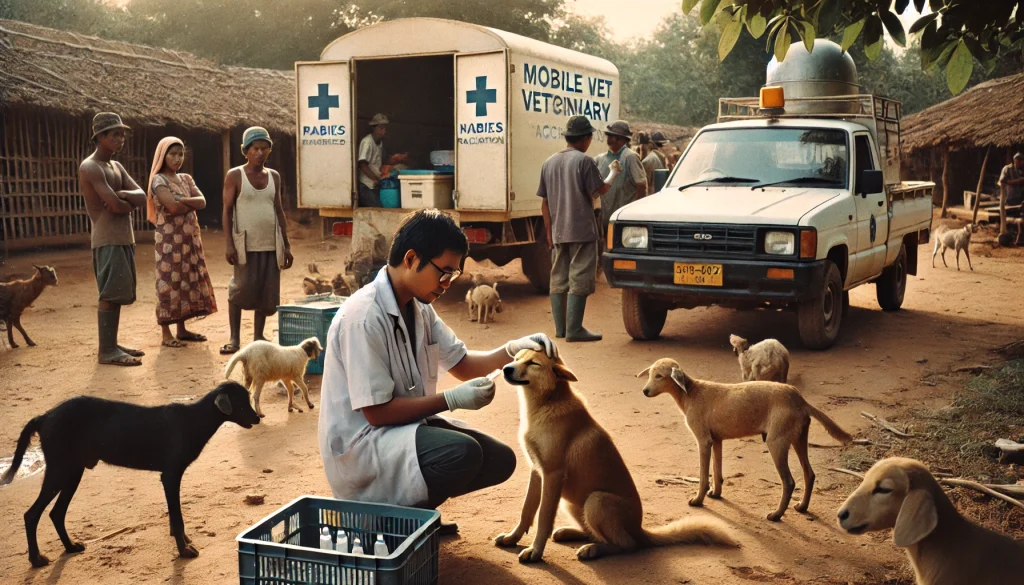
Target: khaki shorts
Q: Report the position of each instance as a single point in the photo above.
(574, 268)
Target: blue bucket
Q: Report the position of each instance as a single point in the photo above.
(390, 193)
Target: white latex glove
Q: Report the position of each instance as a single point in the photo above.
(472, 395)
(613, 171)
(536, 342)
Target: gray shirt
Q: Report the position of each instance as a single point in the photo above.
(1013, 192)
(623, 189)
(568, 180)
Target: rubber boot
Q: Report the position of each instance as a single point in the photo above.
(574, 321)
(558, 314)
(108, 322)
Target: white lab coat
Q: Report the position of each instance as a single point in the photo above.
(368, 361)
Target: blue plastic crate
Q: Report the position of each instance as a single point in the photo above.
(298, 322)
(284, 547)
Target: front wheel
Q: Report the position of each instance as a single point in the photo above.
(892, 285)
(643, 318)
(820, 318)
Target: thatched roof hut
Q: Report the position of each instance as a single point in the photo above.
(52, 83)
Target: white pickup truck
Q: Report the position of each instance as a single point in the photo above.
(786, 204)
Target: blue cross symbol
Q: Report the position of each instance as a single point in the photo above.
(323, 101)
(481, 96)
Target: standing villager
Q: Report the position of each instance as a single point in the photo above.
(631, 183)
(371, 159)
(257, 237)
(655, 159)
(110, 198)
(569, 183)
(183, 287)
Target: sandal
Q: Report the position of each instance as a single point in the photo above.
(228, 348)
(132, 352)
(172, 342)
(191, 336)
(122, 360)
(447, 529)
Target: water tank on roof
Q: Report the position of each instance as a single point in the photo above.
(826, 71)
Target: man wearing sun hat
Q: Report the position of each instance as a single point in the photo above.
(629, 185)
(655, 160)
(257, 237)
(110, 198)
(371, 159)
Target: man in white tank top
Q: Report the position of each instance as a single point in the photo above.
(253, 218)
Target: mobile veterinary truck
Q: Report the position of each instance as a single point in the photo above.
(497, 100)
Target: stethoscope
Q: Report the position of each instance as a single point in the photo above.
(403, 357)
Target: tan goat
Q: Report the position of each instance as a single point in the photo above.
(766, 361)
(944, 547)
(715, 412)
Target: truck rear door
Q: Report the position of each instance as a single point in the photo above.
(324, 134)
(481, 120)
(872, 215)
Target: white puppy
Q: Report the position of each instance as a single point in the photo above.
(263, 361)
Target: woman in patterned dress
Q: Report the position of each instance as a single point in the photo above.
(183, 287)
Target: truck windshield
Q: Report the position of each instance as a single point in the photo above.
(776, 156)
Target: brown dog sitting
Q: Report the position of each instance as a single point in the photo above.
(715, 412)
(575, 460)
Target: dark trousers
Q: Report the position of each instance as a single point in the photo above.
(458, 461)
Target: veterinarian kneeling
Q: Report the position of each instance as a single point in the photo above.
(381, 438)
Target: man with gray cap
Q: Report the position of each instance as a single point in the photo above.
(257, 237)
(655, 159)
(371, 159)
(631, 184)
(569, 183)
(110, 198)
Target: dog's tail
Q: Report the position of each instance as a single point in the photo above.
(19, 453)
(834, 430)
(691, 531)
(238, 357)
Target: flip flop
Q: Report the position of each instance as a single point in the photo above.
(448, 529)
(228, 349)
(172, 343)
(122, 360)
(132, 352)
(191, 336)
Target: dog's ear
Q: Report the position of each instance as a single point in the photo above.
(646, 372)
(562, 372)
(223, 403)
(680, 379)
(916, 520)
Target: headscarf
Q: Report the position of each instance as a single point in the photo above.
(162, 147)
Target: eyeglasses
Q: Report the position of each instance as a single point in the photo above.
(445, 275)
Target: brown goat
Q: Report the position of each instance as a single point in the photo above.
(18, 295)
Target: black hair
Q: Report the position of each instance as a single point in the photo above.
(429, 233)
(577, 139)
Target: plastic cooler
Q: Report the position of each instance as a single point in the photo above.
(284, 547)
(423, 188)
(298, 322)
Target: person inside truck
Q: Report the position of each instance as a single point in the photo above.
(371, 159)
(381, 435)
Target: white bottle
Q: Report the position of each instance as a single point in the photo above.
(380, 548)
(357, 549)
(325, 539)
(342, 542)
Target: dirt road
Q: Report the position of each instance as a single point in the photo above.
(949, 318)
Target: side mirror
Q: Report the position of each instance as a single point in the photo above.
(660, 178)
(870, 182)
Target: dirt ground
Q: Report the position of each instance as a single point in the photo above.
(949, 319)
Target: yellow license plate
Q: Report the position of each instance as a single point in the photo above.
(698, 274)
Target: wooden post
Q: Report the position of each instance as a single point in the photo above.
(981, 179)
(945, 180)
(225, 148)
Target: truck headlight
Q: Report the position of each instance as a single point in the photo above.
(779, 243)
(634, 236)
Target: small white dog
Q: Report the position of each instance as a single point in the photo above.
(483, 301)
(959, 239)
(263, 361)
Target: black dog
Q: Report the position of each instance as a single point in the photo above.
(81, 432)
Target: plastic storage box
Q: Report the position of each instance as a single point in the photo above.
(427, 189)
(284, 547)
(298, 322)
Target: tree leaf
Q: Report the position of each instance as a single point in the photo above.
(958, 71)
(851, 33)
(782, 43)
(808, 35)
(919, 4)
(689, 4)
(707, 10)
(756, 25)
(895, 27)
(727, 41)
(901, 5)
(873, 38)
(945, 54)
(828, 17)
(922, 22)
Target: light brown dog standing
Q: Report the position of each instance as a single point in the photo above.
(715, 412)
(575, 460)
(944, 547)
